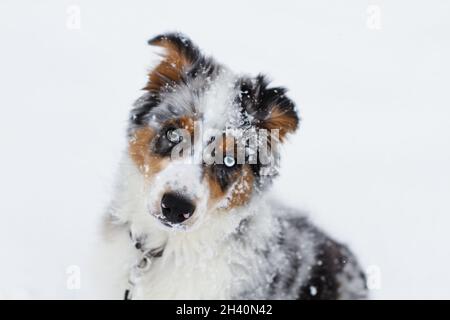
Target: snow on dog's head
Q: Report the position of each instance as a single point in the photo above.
(204, 139)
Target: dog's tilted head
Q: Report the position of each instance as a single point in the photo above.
(203, 138)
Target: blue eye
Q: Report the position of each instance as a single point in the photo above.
(173, 136)
(229, 161)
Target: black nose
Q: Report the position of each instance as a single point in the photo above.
(176, 208)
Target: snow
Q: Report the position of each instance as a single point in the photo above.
(370, 162)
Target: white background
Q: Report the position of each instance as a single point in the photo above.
(371, 163)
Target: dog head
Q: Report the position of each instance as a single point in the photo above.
(203, 138)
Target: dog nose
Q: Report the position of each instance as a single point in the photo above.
(176, 208)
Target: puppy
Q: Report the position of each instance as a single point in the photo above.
(191, 217)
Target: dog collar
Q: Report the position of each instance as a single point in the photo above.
(141, 266)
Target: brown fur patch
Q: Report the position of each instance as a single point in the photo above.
(285, 121)
(169, 70)
(140, 152)
(215, 191)
(185, 122)
(241, 188)
(225, 146)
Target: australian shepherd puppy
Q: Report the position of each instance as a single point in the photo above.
(191, 217)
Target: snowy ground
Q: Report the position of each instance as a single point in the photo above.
(371, 162)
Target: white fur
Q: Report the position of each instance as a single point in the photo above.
(217, 104)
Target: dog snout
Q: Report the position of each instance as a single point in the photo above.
(176, 208)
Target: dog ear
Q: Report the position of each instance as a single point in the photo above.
(270, 108)
(180, 53)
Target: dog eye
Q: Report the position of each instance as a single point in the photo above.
(173, 136)
(229, 161)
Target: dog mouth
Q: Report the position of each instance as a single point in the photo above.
(159, 216)
(161, 219)
(165, 223)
